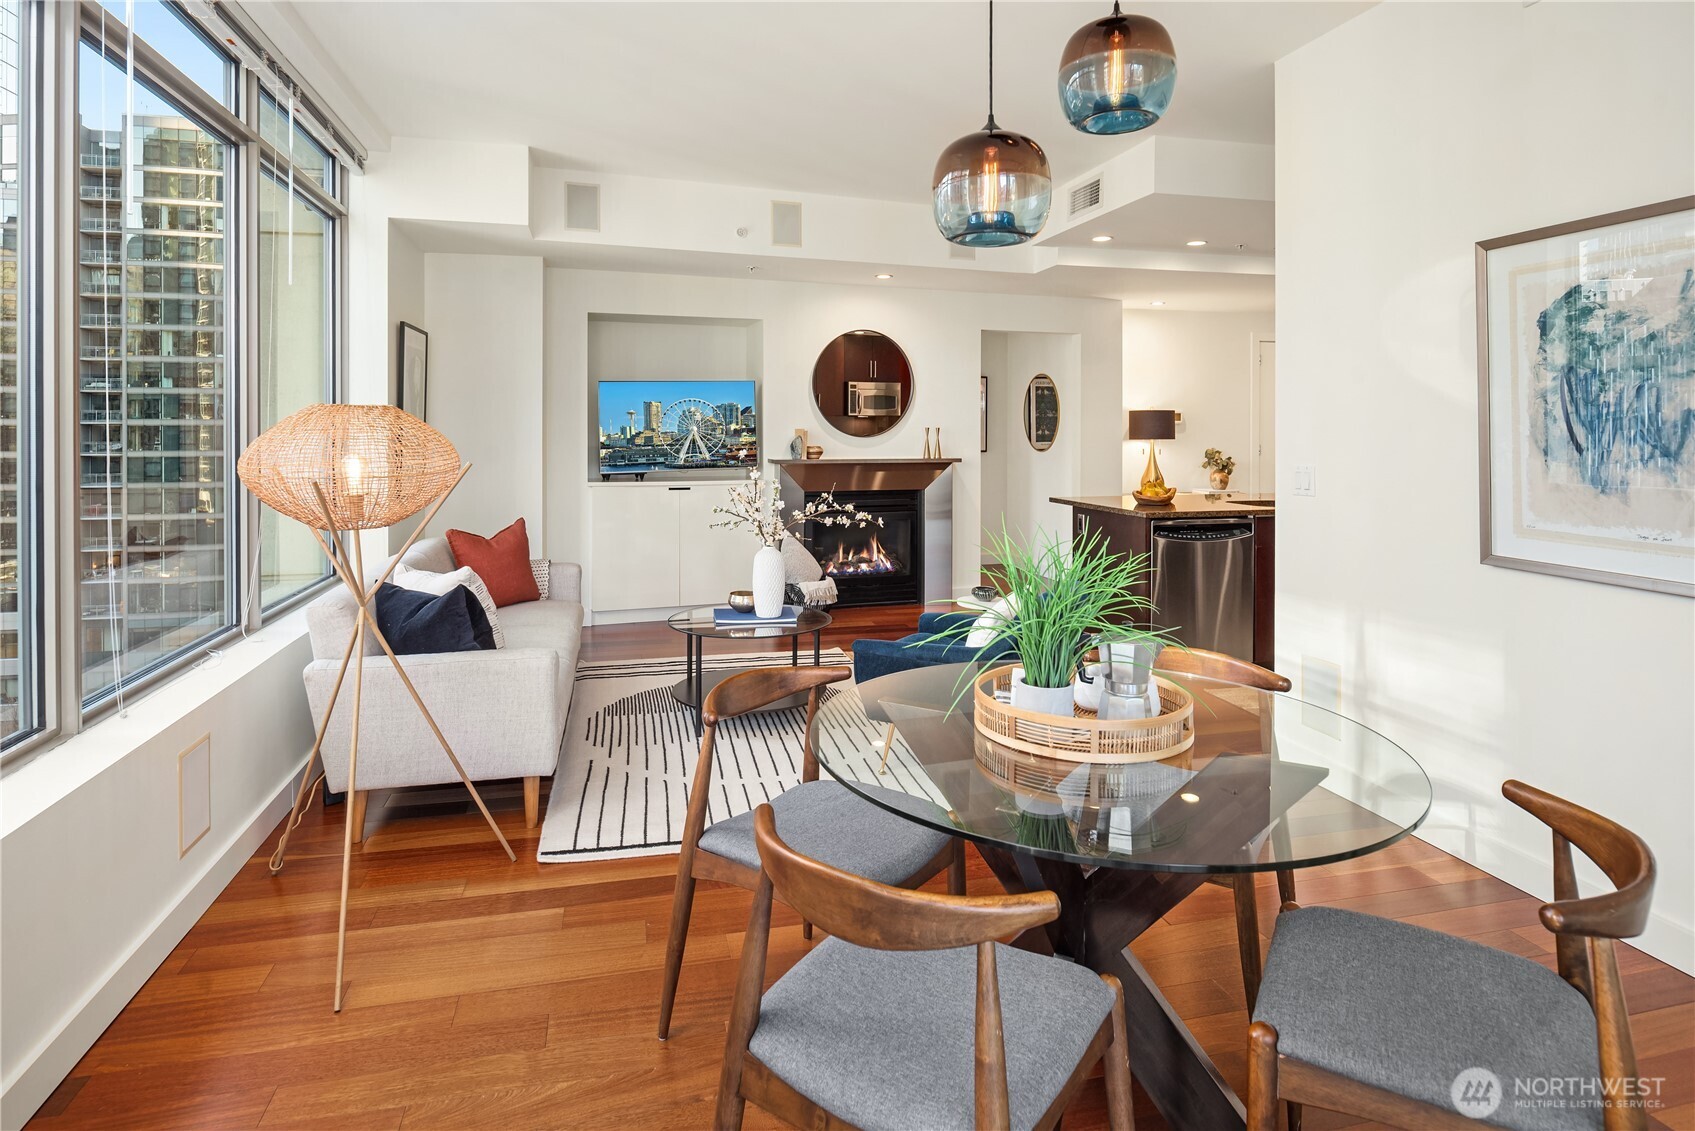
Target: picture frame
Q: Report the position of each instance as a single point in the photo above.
(1586, 391)
(412, 380)
(983, 414)
(1041, 412)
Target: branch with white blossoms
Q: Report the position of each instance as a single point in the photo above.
(757, 507)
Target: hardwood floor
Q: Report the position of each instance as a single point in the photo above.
(483, 993)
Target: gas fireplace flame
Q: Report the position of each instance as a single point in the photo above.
(868, 559)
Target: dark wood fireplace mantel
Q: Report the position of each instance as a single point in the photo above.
(864, 474)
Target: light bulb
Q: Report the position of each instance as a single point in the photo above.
(353, 476)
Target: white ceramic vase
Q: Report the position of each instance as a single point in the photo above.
(767, 582)
(1046, 700)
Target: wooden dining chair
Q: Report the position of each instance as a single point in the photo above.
(910, 1014)
(1402, 1025)
(1217, 665)
(828, 820)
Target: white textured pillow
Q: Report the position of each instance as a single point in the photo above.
(542, 570)
(423, 581)
(798, 563)
(993, 620)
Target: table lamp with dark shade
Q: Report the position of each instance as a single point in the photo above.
(1152, 424)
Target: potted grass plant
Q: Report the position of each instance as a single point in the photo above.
(1062, 599)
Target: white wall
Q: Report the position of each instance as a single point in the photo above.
(1200, 365)
(1033, 478)
(941, 333)
(1481, 673)
(96, 892)
(485, 387)
(994, 461)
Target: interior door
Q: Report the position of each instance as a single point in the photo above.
(1265, 416)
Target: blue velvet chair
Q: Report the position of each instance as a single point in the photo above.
(921, 649)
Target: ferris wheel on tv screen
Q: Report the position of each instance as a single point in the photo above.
(696, 431)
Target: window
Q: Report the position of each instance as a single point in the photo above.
(20, 543)
(296, 319)
(203, 207)
(158, 571)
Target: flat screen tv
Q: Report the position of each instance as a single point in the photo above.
(672, 426)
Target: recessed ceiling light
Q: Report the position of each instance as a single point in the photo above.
(1157, 302)
(1189, 797)
(885, 276)
(1101, 239)
(1196, 243)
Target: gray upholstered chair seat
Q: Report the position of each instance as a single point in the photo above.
(827, 821)
(1407, 1010)
(886, 1039)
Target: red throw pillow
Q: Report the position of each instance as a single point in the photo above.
(503, 562)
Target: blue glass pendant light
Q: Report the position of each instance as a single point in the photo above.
(992, 187)
(1117, 74)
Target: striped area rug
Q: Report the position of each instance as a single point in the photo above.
(630, 754)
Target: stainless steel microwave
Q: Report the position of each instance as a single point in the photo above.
(873, 398)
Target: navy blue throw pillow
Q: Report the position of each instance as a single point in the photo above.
(419, 624)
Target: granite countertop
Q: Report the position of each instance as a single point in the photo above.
(1186, 504)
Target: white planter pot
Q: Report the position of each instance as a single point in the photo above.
(1047, 700)
(767, 582)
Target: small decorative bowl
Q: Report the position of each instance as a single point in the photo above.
(741, 600)
(985, 592)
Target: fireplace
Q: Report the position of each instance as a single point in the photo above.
(880, 564)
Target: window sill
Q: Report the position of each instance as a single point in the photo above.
(59, 769)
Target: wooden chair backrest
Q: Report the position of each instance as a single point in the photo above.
(741, 693)
(1584, 928)
(1216, 665)
(876, 915)
(749, 691)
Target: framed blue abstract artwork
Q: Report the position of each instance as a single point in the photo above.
(1586, 398)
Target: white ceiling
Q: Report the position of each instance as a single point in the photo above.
(845, 98)
(1136, 288)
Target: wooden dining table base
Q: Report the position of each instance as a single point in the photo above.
(1101, 912)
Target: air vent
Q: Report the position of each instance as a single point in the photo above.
(582, 207)
(1085, 196)
(785, 223)
(957, 252)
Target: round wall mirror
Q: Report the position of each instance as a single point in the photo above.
(1041, 412)
(862, 383)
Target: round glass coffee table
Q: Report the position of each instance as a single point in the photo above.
(697, 628)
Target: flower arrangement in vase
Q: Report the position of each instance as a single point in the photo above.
(1220, 465)
(756, 506)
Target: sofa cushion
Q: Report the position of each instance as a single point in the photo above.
(542, 570)
(426, 581)
(422, 624)
(502, 561)
(430, 554)
(554, 625)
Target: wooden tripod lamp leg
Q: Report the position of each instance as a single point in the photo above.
(368, 622)
(347, 835)
(307, 781)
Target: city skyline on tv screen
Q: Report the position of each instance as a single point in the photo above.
(678, 425)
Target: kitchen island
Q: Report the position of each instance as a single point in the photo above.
(1218, 550)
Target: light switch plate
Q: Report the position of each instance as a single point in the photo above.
(1306, 479)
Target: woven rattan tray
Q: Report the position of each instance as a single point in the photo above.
(1083, 737)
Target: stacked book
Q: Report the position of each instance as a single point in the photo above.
(725, 617)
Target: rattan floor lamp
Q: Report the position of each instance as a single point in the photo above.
(343, 468)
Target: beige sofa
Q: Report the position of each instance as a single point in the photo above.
(503, 710)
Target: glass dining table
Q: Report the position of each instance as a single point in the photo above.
(1269, 784)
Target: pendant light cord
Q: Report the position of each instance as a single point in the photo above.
(991, 123)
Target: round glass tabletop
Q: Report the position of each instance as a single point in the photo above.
(1270, 782)
(698, 622)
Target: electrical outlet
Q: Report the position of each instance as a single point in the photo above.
(1306, 479)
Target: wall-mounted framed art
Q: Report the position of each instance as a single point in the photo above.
(412, 382)
(1586, 398)
(1041, 412)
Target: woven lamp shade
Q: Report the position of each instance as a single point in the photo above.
(375, 464)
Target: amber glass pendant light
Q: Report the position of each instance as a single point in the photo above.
(1117, 74)
(992, 187)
